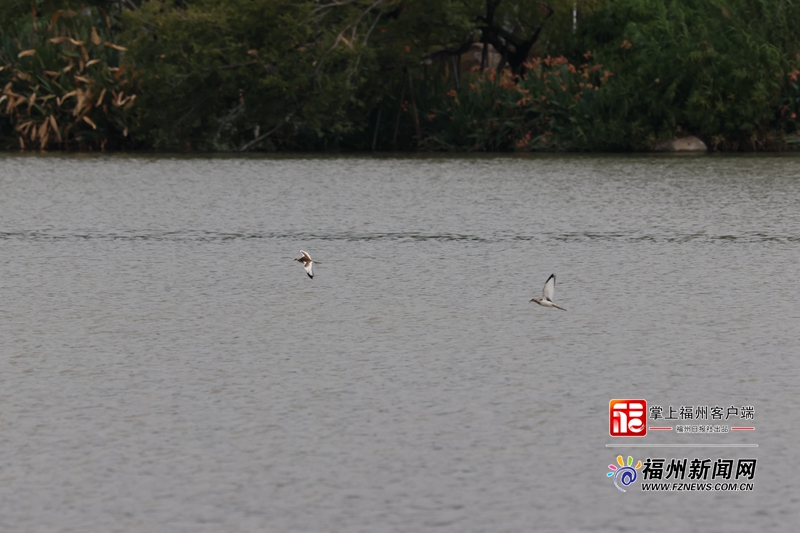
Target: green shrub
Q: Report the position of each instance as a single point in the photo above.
(547, 108)
(710, 68)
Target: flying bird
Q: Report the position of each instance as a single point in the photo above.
(547, 293)
(308, 263)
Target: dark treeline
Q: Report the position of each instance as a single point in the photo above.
(245, 75)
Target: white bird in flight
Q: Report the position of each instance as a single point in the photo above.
(308, 263)
(547, 293)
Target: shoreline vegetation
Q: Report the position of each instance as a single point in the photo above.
(399, 75)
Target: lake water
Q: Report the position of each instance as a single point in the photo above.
(166, 365)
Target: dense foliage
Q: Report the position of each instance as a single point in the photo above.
(721, 70)
(63, 82)
(240, 75)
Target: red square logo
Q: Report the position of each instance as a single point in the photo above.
(627, 418)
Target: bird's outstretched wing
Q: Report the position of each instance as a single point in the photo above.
(305, 255)
(309, 266)
(549, 288)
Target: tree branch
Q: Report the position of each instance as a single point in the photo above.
(260, 138)
(444, 53)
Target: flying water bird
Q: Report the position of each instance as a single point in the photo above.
(547, 293)
(308, 263)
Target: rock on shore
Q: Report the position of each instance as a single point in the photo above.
(683, 144)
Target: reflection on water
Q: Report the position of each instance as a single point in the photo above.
(167, 366)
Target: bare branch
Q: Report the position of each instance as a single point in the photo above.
(260, 138)
(333, 4)
(444, 53)
(374, 23)
(352, 25)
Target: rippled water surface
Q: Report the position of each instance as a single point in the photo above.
(166, 366)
